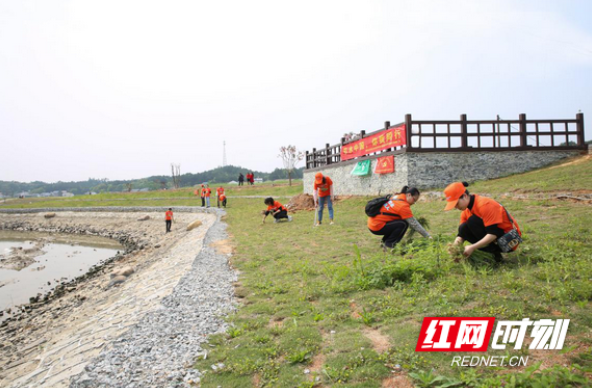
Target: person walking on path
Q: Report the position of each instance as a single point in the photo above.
(221, 196)
(323, 193)
(241, 179)
(252, 179)
(276, 209)
(485, 223)
(395, 217)
(208, 193)
(168, 219)
(203, 196)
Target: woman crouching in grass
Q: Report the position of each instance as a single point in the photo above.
(395, 217)
(484, 223)
(276, 209)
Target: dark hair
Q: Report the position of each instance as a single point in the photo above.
(409, 190)
(465, 184)
(170, 208)
(268, 201)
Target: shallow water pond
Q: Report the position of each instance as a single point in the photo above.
(34, 263)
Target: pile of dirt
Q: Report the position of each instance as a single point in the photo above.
(301, 202)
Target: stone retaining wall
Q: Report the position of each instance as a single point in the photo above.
(433, 170)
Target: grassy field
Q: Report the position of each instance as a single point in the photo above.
(179, 197)
(326, 307)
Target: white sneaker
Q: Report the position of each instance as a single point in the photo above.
(276, 220)
(289, 218)
(331, 223)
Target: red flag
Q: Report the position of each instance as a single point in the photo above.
(385, 165)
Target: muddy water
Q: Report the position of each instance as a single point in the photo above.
(52, 259)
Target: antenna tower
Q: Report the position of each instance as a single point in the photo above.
(224, 154)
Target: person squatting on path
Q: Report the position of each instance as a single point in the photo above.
(276, 209)
(208, 193)
(484, 223)
(203, 196)
(323, 191)
(395, 217)
(168, 219)
(221, 196)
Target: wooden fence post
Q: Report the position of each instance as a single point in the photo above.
(408, 123)
(522, 122)
(580, 129)
(463, 131)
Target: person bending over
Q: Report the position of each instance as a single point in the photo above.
(395, 218)
(483, 221)
(276, 209)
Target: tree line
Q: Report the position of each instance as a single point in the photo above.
(157, 182)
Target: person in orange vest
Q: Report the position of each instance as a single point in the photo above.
(276, 209)
(221, 196)
(322, 193)
(208, 193)
(485, 223)
(395, 217)
(168, 219)
(202, 193)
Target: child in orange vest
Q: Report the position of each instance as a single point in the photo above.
(168, 219)
(276, 209)
(221, 196)
(208, 193)
(203, 196)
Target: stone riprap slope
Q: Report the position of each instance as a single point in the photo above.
(142, 331)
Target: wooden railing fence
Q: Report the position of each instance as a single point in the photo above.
(471, 135)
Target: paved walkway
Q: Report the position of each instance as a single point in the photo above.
(60, 346)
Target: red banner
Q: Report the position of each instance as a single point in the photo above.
(389, 138)
(385, 165)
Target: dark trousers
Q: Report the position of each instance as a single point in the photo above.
(168, 225)
(392, 232)
(279, 215)
(203, 201)
(474, 230)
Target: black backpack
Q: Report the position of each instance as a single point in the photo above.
(373, 206)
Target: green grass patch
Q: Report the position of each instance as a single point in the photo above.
(314, 292)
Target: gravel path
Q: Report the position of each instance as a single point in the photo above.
(160, 350)
(148, 331)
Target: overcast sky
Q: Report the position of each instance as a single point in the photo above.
(122, 89)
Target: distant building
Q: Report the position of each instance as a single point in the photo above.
(67, 194)
(258, 180)
(233, 183)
